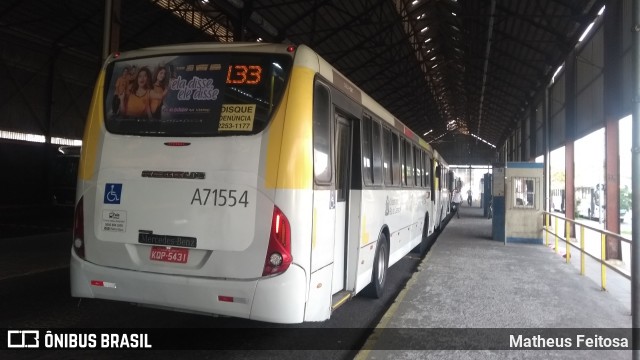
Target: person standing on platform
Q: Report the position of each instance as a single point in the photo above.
(457, 200)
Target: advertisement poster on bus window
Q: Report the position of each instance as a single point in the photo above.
(169, 91)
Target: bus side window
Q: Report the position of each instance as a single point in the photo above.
(395, 158)
(322, 134)
(426, 165)
(432, 179)
(408, 160)
(386, 157)
(403, 166)
(417, 160)
(367, 174)
(445, 175)
(377, 153)
(416, 167)
(343, 156)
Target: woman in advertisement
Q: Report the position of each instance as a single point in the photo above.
(160, 88)
(137, 102)
(122, 87)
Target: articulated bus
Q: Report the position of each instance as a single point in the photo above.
(245, 180)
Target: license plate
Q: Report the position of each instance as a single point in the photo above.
(171, 254)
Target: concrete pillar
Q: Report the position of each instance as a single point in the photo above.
(612, 187)
(570, 136)
(569, 182)
(635, 178)
(613, 85)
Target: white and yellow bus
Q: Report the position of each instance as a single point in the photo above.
(247, 180)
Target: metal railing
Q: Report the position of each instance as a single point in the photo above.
(580, 229)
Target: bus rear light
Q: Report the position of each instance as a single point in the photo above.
(78, 229)
(100, 283)
(232, 299)
(278, 256)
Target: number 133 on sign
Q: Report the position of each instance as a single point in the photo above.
(244, 74)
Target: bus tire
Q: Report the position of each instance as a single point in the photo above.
(380, 266)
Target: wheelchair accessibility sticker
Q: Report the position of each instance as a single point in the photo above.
(112, 193)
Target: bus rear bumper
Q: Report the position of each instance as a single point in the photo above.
(279, 299)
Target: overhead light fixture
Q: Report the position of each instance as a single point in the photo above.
(428, 132)
(424, 29)
(553, 78)
(483, 140)
(426, 41)
(415, 2)
(586, 32)
(443, 134)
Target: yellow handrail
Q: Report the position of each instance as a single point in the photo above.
(567, 239)
(546, 225)
(567, 236)
(555, 230)
(582, 268)
(603, 255)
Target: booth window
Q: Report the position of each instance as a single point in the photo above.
(524, 192)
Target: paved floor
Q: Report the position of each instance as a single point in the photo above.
(470, 293)
(473, 293)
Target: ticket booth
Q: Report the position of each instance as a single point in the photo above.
(523, 187)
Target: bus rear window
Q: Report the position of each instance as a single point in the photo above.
(212, 94)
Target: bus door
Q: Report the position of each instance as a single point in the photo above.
(343, 173)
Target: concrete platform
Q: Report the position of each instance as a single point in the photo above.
(472, 293)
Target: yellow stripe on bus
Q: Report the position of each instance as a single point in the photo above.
(92, 131)
(289, 149)
(365, 234)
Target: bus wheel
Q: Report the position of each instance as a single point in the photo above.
(380, 265)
